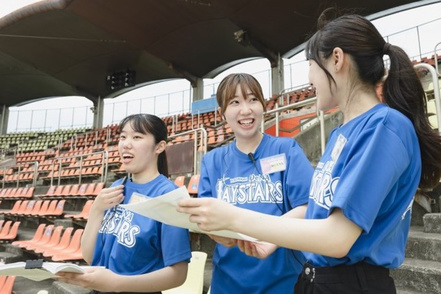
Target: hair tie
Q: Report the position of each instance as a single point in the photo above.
(386, 48)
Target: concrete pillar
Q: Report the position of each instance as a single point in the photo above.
(98, 113)
(198, 89)
(4, 117)
(278, 76)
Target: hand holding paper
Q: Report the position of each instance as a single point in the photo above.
(164, 209)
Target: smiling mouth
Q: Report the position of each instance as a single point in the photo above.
(246, 122)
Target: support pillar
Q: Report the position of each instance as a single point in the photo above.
(277, 76)
(4, 118)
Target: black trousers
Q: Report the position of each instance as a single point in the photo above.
(98, 292)
(360, 278)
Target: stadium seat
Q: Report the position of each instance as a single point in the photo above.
(51, 242)
(180, 181)
(8, 285)
(63, 244)
(84, 214)
(5, 229)
(73, 248)
(193, 185)
(194, 283)
(37, 236)
(12, 234)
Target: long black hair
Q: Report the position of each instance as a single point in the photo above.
(149, 124)
(402, 89)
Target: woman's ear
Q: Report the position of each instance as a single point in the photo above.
(338, 58)
(160, 147)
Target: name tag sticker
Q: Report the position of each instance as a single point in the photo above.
(338, 147)
(136, 197)
(273, 164)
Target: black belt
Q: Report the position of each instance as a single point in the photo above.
(343, 273)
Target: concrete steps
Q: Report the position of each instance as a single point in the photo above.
(421, 270)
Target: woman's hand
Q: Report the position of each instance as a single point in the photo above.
(108, 198)
(227, 242)
(97, 278)
(257, 248)
(210, 214)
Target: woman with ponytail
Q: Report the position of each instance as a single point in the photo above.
(131, 253)
(361, 195)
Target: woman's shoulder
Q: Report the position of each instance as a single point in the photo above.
(280, 142)
(393, 119)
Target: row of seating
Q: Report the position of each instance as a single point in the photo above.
(56, 243)
(36, 208)
(74, 190)
(21, 192)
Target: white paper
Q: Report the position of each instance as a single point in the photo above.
(48, 270)
(163, 209)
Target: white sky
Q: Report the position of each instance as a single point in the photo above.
(387, 26)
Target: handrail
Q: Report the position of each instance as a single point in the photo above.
(436, 91)
(436, 59)
(299, 104)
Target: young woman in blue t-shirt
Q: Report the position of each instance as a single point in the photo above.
(130, 252)
(258, 172)
(362, 190)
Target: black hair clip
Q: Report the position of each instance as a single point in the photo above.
(34, 263)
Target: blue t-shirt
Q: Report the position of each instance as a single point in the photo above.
(237, 178)
(370, 170)
(131, 244)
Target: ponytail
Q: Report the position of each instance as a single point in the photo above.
(403, 91)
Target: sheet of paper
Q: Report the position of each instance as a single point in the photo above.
(163, 209)
(47, 271)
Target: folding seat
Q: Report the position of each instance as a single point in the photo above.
(63, 244)
(73, 251)
(99, 186)
(44, 207)
(58, 191)
(193, 184)
(12, 234)
(35, 209)
(8, 285)
(21, 209)
(3, 192)
(180, 181)
(59, 208)
(37, 236)
(84, 214)
(10, 192)
(29, 192)
(50, 210)
(17, 193)
(74, 190)
(49, 193)
(90, 189)
(65, 191)
(29, 207)
(43, 240)
(2, 281)
(14, 208)
(76, 255)
(53, 241)
(82, 190)
(5, 229)
(194, 283)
